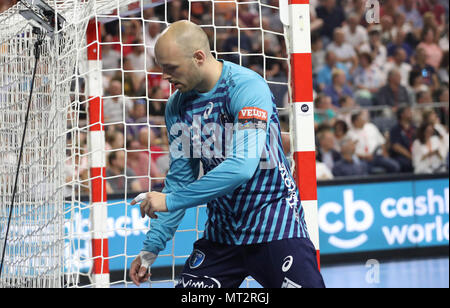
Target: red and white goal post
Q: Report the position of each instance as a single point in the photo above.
(67, 149)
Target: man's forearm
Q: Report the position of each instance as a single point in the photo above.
(401, 150)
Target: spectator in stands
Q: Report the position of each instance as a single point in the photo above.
(443, 41)
(435, 8)
(345, 52)
(340, 129)
(198, 12)
(120, 178)
(273, 14)
(387, 29)
(400, 29)
(148, 13)
(430, 116)
(316, 23)
(324, 112)
(115, 139)
(326, 152)
(116, 105)
(154, 79)
(367, 79)
(355, 34)
(443, 69)
(138, 59)
(133, 84)
(375, 47)
(322, 172)
(357, 7)
(429, 21)
(138, 160)
(393, 94)
(151, 36)
(428, 72)
(433, 52)
(333, 16)
(75, 167)
(236, 41)
(427, 151)
(225, 13)
(130, 29)
(413, 16)
(389, 8)
(424, 97)
(349, 165)
(416, 84)
(400, 42)
(150, 140)
(402, 137)
(338, 87)
(156, 110)
(371, 145)
(247, 17)
(318, 53)
(138, 118)
(177, 10)
(110, 57)
(157, 103)
(271, 40)
(347, 106)
(441, 95)
(274, 67)
(399, 63)
(324, 75)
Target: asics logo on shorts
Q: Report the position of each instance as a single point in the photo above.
(287, 263)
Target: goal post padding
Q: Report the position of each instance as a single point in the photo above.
(296, 18)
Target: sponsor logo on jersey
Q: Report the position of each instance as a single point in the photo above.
(252, 118)
(253, 113)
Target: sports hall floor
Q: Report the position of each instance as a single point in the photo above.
(413, 273)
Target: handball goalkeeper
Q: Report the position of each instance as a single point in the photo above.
(223, 117)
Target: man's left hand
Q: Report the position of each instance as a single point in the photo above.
(153, 202)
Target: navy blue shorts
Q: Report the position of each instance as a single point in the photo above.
(288, 263)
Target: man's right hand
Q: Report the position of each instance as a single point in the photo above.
(139, 270)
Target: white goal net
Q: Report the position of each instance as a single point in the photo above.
(71, 224)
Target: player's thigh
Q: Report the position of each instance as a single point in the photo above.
(213, 265)
(288, 263)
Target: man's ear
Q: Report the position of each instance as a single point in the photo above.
(199, 56)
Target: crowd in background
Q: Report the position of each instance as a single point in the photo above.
(374, 83)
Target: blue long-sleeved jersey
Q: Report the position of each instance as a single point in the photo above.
(234, 132)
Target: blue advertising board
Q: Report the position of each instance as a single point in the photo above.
(352, 218)
(383, 216)
(126, 235)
